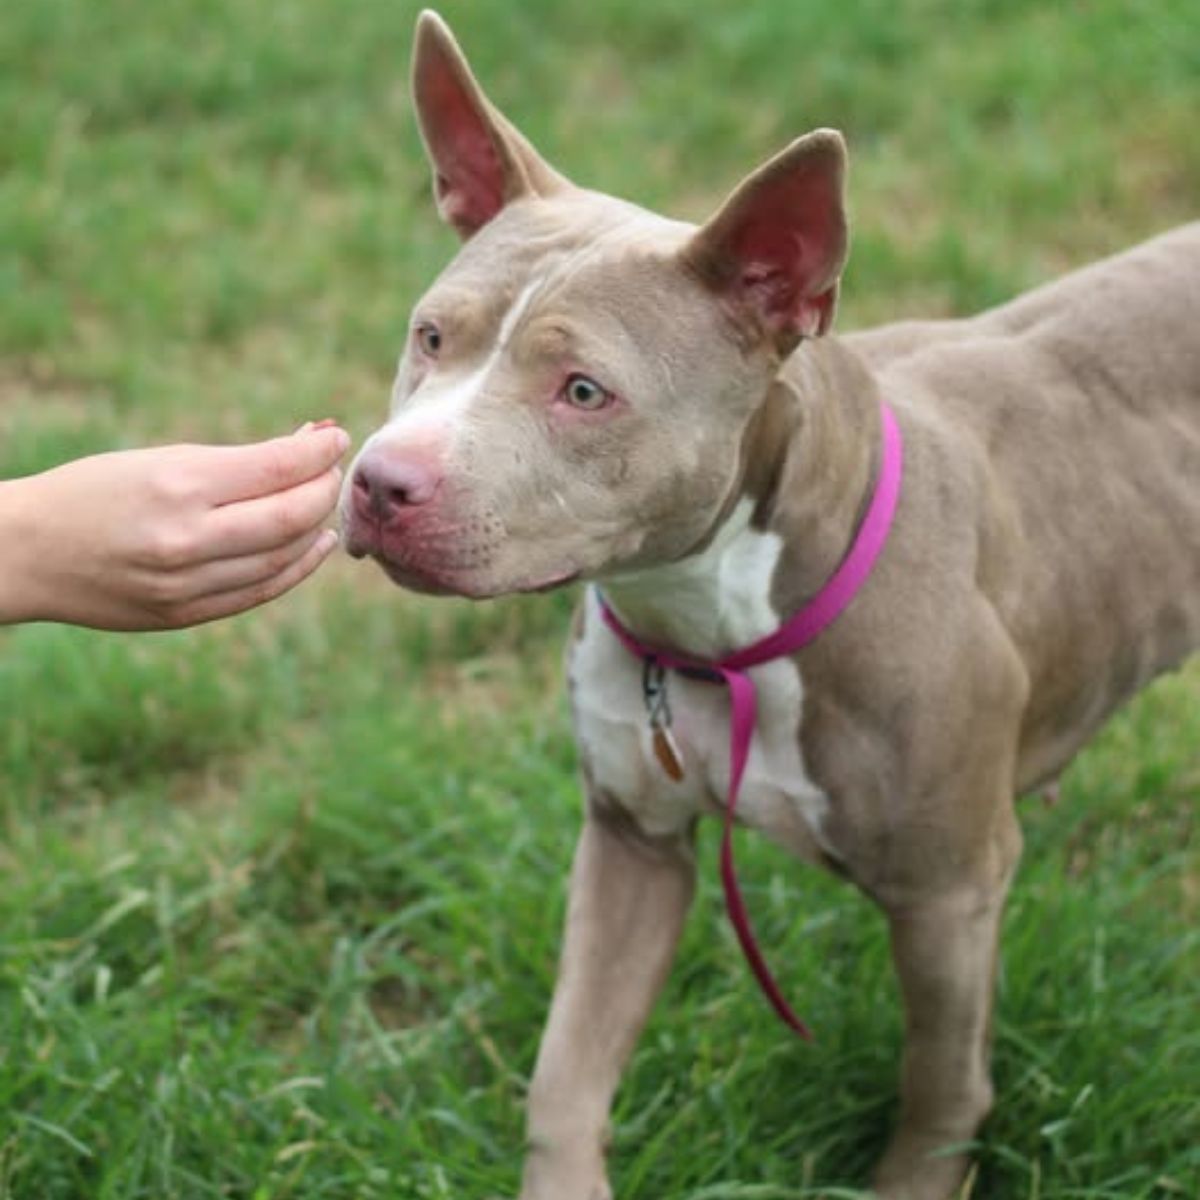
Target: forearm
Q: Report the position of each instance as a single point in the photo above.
(20, 563)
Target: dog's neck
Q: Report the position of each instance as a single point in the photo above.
(809, 460)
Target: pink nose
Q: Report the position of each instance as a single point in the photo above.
(389, 482)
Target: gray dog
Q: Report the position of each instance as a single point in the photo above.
(595, 392)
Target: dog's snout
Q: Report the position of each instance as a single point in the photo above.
(387, 484)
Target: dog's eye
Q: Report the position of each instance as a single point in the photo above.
(429, 338)
(585, 393)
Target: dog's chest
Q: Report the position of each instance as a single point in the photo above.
(616, 738)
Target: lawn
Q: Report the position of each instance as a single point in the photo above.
(281, 898)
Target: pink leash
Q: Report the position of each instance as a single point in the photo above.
(732, 671)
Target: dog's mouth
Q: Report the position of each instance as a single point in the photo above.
(470, 585)
(436, 559)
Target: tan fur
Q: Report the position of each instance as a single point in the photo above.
(1043, 566)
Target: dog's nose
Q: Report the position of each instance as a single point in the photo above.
(387, 484)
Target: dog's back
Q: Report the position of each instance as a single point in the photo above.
(1086, 396)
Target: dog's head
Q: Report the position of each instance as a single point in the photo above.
(577, 386)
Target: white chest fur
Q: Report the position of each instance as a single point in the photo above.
(723, 594)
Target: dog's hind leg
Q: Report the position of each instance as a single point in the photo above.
(945, 949)
(629, 897)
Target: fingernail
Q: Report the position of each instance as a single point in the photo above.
(325, 422)
(305, 428)
(328, 540)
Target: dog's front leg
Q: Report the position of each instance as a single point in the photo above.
(628, 901)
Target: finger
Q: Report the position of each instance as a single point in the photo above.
(252, 526)
(229, 574)
(261, 469)
(226, 604)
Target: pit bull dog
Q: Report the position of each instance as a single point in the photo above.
(591, 391)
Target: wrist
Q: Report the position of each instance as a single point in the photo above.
(19, 568)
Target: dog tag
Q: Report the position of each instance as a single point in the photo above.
(666, 750)
(658, 710)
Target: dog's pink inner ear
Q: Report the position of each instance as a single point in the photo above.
(782, 250)
(469, 175)
(778, 245)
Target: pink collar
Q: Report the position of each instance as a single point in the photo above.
(732, 671)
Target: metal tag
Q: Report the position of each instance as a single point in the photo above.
(658, 711)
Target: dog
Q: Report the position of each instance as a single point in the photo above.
(594, 392)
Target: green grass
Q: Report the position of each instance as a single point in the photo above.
(281, 899)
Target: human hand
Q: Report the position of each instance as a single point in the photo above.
(170, 536)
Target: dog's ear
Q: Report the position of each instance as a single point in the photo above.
(775, 249)
(480, 162)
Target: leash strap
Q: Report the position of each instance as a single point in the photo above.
(744, 701)
(732, 671)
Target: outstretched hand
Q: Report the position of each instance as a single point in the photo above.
(169, 536)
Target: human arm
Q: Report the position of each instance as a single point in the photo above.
(170, 536)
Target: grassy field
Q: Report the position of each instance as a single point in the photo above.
(281, 898)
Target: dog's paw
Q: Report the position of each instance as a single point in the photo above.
(597, 1192)
(929, 1178)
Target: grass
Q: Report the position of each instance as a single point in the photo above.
(281, 898)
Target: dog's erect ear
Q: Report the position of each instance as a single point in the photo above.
(480, 162)
(776, 247)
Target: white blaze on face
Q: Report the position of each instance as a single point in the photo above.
(441, 408)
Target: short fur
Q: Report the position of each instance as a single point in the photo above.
(1044, 564)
